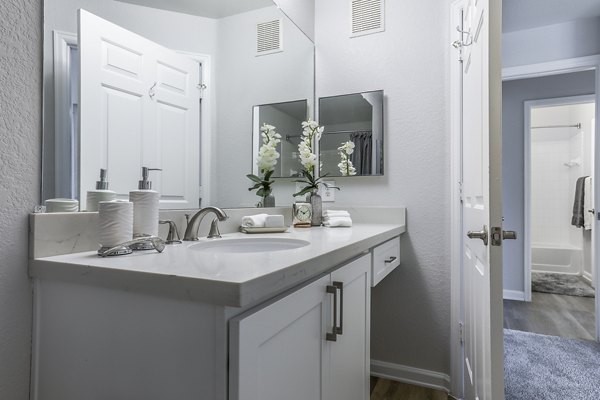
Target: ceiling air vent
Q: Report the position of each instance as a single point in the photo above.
(367, 17)
(268, 37)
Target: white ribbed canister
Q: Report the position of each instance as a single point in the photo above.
(115, 222)
(96, 196)
(62, 205)
(145, 212)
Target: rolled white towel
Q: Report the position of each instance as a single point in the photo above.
(336, 213)
(274, 221)
(338, 221)
(254, 221)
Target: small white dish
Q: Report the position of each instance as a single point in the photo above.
(248, 229)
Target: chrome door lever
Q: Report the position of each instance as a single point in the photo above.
(483, 235)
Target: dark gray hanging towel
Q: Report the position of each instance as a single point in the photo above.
(578, 207)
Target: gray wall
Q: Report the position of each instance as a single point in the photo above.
(410, 308)
(20, 138)
(550, 43)
(515, 93)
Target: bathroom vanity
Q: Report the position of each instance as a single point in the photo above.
(203, 321)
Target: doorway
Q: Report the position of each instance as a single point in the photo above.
(558, 235)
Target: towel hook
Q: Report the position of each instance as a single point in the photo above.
(462, 43)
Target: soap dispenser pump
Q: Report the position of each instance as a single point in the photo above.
(145, 208)
(100, 194)
(145, 183)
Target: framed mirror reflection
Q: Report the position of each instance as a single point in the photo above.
(287, 119)
(353, 130)
(239, 60)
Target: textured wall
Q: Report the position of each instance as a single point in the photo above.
(513, 114)
(550, 43)
(20, 131)
(411, 308)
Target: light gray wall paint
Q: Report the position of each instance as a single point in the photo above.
(20, 138)
(410, 308)
(550, 43)
(302, 12)
(515, 93)
(245, 80)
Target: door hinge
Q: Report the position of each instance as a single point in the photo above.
(461, 336)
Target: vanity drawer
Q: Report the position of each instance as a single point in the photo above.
(386, 257)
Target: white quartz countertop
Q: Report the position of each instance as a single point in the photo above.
(227, 279)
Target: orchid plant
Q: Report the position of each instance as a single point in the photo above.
(311, 135)
(345, 165)
(266, 161)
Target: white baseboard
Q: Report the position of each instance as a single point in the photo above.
(514, 295)
(411, 375)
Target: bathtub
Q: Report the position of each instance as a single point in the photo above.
(560, 259)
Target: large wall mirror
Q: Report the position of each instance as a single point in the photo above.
(243, 53)
(356, 118)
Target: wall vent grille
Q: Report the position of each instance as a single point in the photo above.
(367, 17)
(268, 37)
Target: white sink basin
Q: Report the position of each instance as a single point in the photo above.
(249, 245)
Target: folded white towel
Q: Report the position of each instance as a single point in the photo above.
(336, 213)
(274, 221)
(338, 221)
(254, 221)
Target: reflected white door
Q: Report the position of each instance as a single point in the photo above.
(140, 106)
(482, 263)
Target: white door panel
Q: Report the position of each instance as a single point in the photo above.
(139, 107)
(482, 360)
(280, 351)
(350, 353)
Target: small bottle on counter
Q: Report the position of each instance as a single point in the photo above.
(100, 194)
(145, 208)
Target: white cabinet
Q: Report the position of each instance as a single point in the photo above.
(311, 344)
(386, 257)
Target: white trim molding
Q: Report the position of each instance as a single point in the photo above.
(65, 184)
(411, 375)
(550, 68)
(207, 128)
(513, 295)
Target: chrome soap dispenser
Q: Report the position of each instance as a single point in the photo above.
(100, 194)
(145, 207)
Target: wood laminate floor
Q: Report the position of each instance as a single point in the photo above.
(552, 314)
(384, 389)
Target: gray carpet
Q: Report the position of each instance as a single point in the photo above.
(570, 285)
(550, 367)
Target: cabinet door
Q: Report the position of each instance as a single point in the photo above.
(348, 374)
(278, 351)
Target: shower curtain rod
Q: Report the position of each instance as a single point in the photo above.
(578, 126)
(288, 137)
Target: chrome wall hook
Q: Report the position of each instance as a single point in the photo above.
(463, 43)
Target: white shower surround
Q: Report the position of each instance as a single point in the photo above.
(556, 259)
(559, 156)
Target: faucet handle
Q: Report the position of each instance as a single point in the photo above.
(173, 235)
(214, 230)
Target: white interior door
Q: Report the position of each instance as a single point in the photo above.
(139, 106)
(481, 203)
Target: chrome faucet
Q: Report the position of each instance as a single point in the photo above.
(191, 232)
